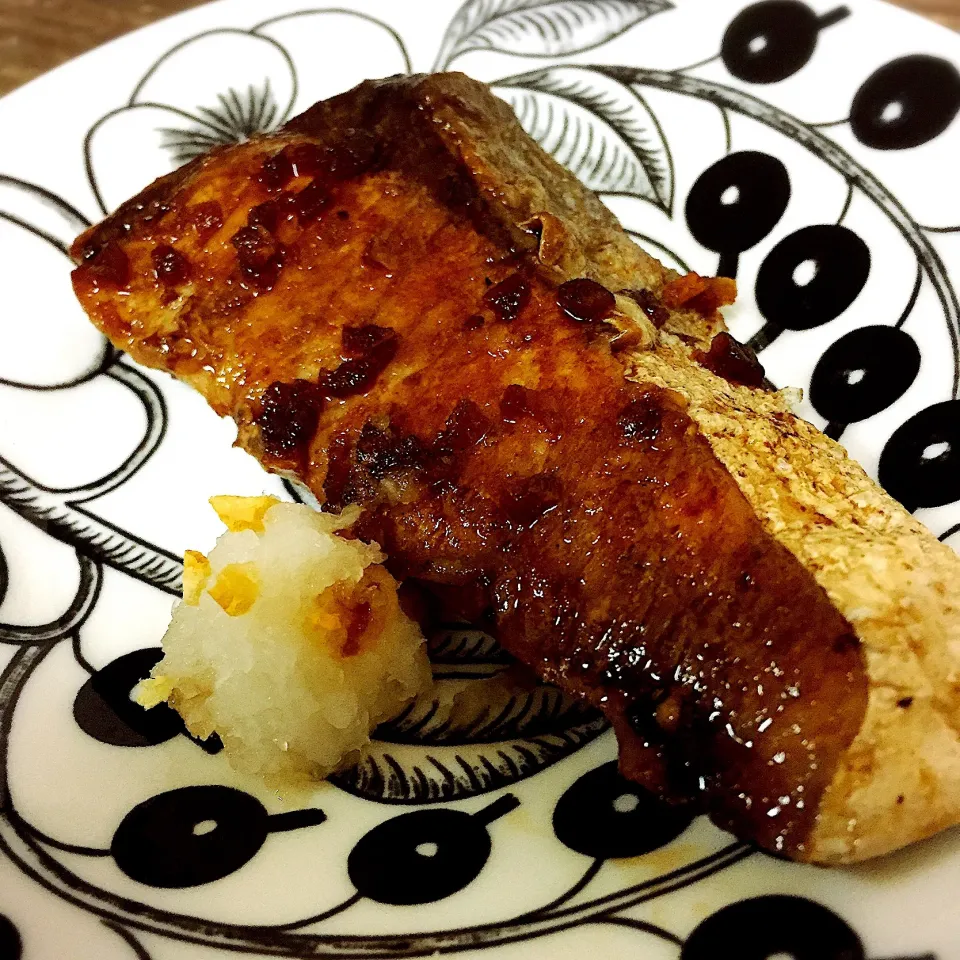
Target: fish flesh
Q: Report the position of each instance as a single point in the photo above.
(405, 304)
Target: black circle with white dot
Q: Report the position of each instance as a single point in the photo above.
(770, 41)
(812, 276)
(864, 372)
(906, 103)
(104, 707)
(104, 710)
(735, 203)
(771, 926)
(190, 836)
(604, 815)
(419, 857)
(920, 464)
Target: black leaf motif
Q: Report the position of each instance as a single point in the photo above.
(237, 117)
(401, 773)
(466, 647)
(599, 128)
(467, 708)
(541, 28)
(484, 724)
(66, 520)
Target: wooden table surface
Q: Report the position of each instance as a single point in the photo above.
(36, 35)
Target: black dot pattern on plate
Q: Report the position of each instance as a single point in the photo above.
(104, 710)
(920, 465)
(605, 816)
(11, 946)
(4, 576)
(736, 203)
(906, 103)
(864, 372)
(811, 276)
(771, 41)
(423, 856)
(190, 836)
(773, 926)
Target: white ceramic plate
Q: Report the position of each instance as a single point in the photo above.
(812, 149)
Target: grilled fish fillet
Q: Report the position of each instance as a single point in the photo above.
(404, 303)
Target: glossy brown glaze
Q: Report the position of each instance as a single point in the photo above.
(409, 353)
(585, 300)
(732, 360)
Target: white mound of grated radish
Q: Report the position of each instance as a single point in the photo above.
(289, 642)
